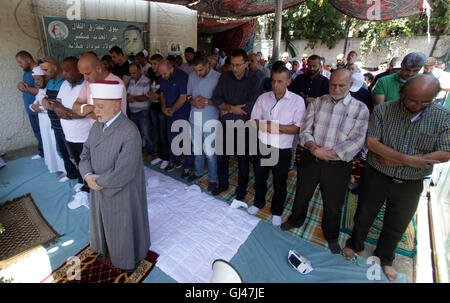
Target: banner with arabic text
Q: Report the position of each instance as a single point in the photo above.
(75, 37)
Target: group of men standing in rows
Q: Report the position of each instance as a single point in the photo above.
(405, 137)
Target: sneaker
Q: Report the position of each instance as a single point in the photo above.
(286, 226)
(35, 157)
(212, 186)
(193, 177)
(63, 179)
(164, 165)
(218, 191)
(185, 173)
(178, 166)
(252, 210)
(80, 199)
(155, 161)
(169, 168)
(276, 220)
(77, 187)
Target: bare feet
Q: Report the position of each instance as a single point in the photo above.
(390, 273)
(348, 253)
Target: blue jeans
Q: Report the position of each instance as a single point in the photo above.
(176, 160)
(199, 153)
(159, 125)
(142, 121)
(34, 121)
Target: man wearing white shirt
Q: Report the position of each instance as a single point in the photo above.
(76, 128)
(278, 115)
(145, 65)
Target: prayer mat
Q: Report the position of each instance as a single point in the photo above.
(311, 230)
(24, 229)
(88, 267)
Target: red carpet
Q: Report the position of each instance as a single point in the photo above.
(91, 268)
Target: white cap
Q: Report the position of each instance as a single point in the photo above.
(107, 90)
(358, 81)
(37, 71)
(398, 64)
(145, 52)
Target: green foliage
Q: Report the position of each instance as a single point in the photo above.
(318, 21)
(1, 228)
(379, 34)
(315, 21)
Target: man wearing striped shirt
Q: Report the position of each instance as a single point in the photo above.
(405, 138)
(333, 132)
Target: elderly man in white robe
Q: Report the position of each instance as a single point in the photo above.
(112, 166)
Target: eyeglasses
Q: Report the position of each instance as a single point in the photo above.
(237, 65)
(418, 102)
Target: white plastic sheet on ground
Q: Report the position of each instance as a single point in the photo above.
(190, 229)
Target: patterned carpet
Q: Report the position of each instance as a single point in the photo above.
(311, 229)
(91, 268)
(24, 229)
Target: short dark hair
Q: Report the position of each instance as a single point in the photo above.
(140, 54)
(71, 58)
(370, 76)
(23, 54)
(240, 53)
(200, 58)
(135, 64)
(314, 57)
(189, 50)
(156, 57)
(107, 58)
(171, 58)
(116, 49)
(279, 69)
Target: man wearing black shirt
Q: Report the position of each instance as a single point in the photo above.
(159, 120)
(235, 95)
(121, 66)
(312, 84)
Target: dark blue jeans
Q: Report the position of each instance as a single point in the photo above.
(63, 150)
(159, 125)
(176, 160)
(34, 121)
(142, 121)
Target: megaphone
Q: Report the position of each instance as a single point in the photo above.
(224, 272)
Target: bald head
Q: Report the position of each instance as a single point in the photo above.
(419, 92)
(340, 83)
(91, 68)
(165, 69)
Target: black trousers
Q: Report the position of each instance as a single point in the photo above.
(333, 177)
(76, 149)
(62, 147)
(243, 162)
(401, 204)
(279, 177)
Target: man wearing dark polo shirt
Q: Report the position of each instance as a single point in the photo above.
(173, 86)
(312, 84)
(121, 66)
(235, 95)
(405, 138)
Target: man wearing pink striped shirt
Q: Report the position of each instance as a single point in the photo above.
(333, 132)
(278, 115)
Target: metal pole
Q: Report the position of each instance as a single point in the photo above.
(38, 23)
(277, 32)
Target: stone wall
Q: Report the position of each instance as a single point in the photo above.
(167, 23)
(400, 49)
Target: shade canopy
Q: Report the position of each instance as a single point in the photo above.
(362, 9)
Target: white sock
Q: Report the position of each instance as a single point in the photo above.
(253, 210)
(276, 220)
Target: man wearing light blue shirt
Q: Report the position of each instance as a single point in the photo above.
(204, 114)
